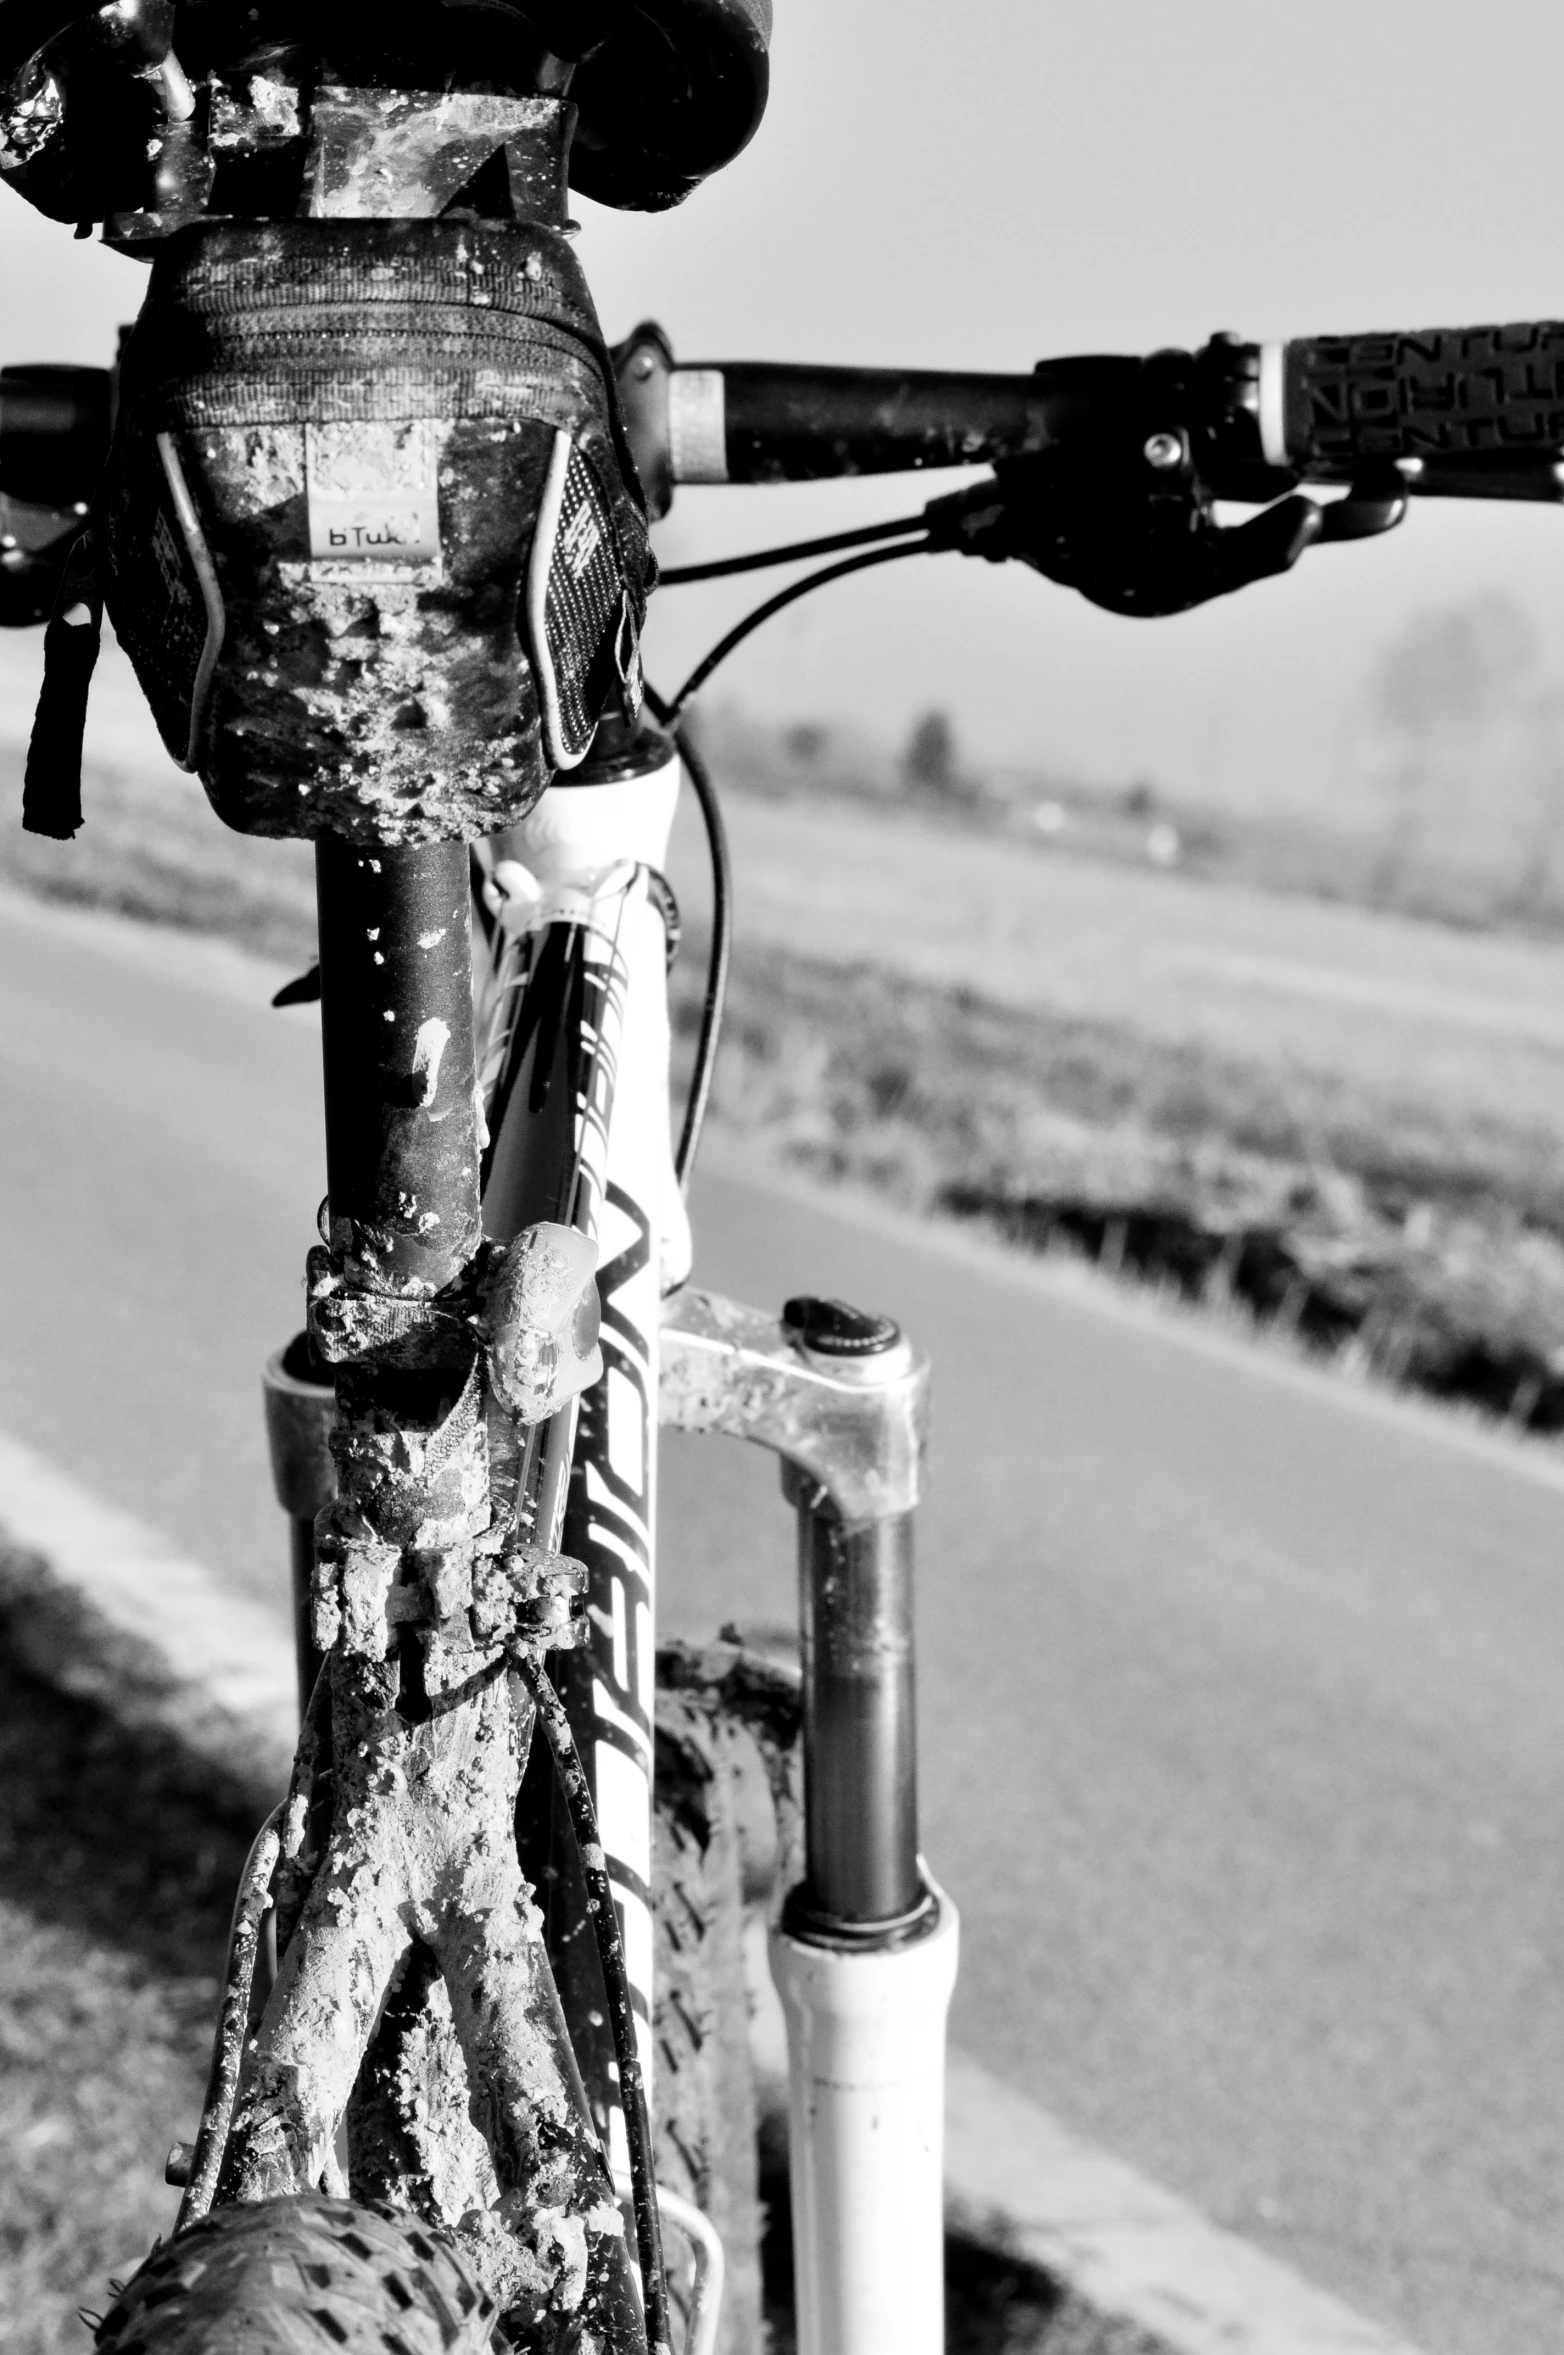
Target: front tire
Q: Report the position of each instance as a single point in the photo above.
(288, 2277)
(727, 1733)
(704, 2098)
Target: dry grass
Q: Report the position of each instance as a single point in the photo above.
(1427, 1060)
(1354, 1121)
(99, 2071)
(152, 848)
(116, 1873)
(1063, 1130)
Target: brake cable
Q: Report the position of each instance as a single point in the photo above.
(721, 943)
(793, 553)
(788, 596)
(700, 777)
(577, 1793)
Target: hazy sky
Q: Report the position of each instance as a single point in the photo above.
(986, 184)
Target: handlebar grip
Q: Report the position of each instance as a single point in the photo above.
(1336, 404)
(747, 421)
(786, 424)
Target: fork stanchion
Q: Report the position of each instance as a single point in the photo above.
(861, 1788)
(864, 1956)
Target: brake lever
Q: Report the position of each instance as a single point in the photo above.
(1142, 538)
(1373, 505)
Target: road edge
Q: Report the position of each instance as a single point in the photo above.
(99, 1606)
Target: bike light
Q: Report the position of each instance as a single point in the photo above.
(542, 1320)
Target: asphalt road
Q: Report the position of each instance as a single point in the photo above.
(1243, 1702)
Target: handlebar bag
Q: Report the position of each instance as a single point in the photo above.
(370, 533)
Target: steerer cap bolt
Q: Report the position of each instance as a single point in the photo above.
(1164, 451)
(830, 1328)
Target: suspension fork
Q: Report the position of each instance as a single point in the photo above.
(421, 1585)
(864, 1955)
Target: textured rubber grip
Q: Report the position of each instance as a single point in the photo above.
(1442, 392)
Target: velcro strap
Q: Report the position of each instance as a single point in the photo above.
(345, 1325)
(51, 790)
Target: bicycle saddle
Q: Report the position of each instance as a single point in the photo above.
(666, 91)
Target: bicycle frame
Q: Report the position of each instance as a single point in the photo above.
(574, 1046)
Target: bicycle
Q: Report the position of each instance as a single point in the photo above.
(367, 499)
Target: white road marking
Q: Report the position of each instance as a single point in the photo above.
(1129, 2252)
(104, 1607)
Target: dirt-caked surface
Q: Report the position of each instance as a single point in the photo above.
(118, 1861)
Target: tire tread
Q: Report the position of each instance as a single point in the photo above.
(301, 2276)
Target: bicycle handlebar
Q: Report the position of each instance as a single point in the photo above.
(1461, 412)
(1473, 412)
(792, 424)
(1107, 471)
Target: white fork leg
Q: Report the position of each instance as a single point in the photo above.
(866, 2090)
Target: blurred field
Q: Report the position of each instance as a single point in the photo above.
(1182, 1020)
(150, 846)
(1348, 1117)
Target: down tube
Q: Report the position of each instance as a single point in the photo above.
(610, 1522)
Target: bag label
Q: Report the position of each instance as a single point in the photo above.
(374, 497)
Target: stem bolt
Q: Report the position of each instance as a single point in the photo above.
(1164, 451)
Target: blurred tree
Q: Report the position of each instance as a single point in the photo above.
(1454, 701)
(805, 741)
(1536, 884)
(929, 763)
(1456, 668)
